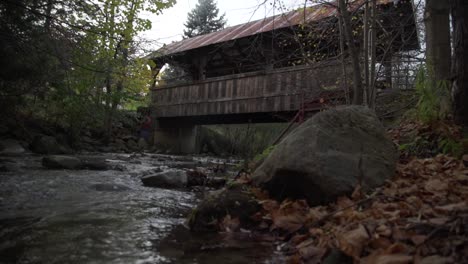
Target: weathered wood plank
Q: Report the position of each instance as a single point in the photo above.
(275, 91)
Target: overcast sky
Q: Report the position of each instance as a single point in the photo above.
(169, 26)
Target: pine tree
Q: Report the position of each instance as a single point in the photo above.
(203, 19)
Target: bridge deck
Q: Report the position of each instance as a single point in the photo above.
(275, 91)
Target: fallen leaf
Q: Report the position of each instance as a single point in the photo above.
(452, 207)
(290, 216)
(357, 193)
(418, 239)
(315, 214)
(438, 220)
(353, 242)
(380, 243)
(344, 202)
(378, 258)
(383, 230)
(436, 259)
(436, 185)
(308, 251)
(397, 248)
(269, 205)
(230, 224)
(297, 239)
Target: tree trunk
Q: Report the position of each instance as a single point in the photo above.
(460, 60)
(353, 52)
(373, 56)
(438, 52)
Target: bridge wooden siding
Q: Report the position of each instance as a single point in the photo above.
(280, 90)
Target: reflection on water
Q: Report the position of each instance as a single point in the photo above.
(60, 216)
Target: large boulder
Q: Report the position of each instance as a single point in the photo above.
(166, 179)
(236, 201)
(62, 162)
(328, 156)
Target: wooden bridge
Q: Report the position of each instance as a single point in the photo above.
(265, 96)
(243, 73)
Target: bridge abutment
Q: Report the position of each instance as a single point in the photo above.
(183, 139)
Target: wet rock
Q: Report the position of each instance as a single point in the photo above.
(152, 171)
(48, 145)
(196, 178)
(328, 155)
(62, 162)
(215, 182)
(110, 187)
(166, 179)
(199, 178)
(236, 201)
(118, 167)
(7, 165)
(94, 163)
(10, 147)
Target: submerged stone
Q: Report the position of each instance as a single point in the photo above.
(166, 179)
(61, 162)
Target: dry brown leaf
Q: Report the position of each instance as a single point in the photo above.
(462, 206)
(357, 193)
(298, 238)
(316, 232)
(295, 259)
(438, 220)
(397, 248)
(436, 185)
(384, 230)
(315, 214)
(269, 205)
(344, 202)
(290, 216)
(380, 243)
(260, 194)
(353, 242)
(436, 259)
(308, 251)
(418, 239)
(379, 258)
(244, 178)
(230, 224)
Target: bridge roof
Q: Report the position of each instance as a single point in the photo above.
(293, 18)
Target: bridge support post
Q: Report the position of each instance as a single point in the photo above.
(183, 139)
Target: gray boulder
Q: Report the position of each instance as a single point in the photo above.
(94, 163)
(62, 162)
(166, 179)
(328, 155)
(10, 147)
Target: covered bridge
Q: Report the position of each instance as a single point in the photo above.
(267, 70)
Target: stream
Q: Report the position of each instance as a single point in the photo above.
(64, 216)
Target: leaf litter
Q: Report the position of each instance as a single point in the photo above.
(420, 216)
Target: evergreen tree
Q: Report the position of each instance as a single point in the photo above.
(203, 19)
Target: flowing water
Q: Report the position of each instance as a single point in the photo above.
(64, 216)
